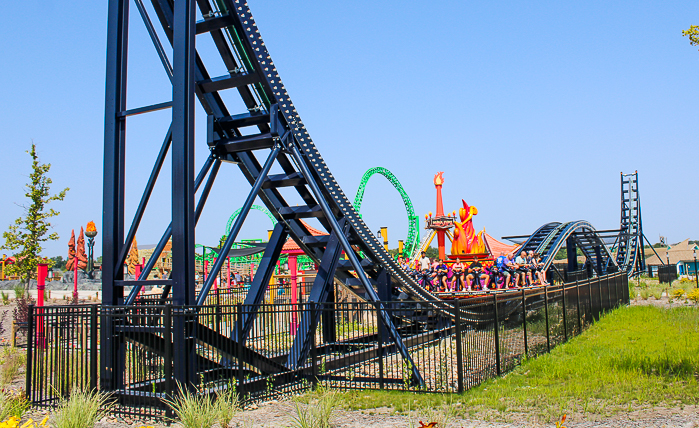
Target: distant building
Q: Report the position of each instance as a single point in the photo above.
(680, 255)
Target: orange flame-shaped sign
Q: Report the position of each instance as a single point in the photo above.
(91, 227)
(438, 179)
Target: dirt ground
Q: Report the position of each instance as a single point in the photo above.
(280, 414)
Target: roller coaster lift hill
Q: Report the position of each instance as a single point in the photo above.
(267, 132)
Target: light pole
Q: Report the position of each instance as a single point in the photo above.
(696, 275)
(90, 232)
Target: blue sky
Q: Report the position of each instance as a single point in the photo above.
(531, 109)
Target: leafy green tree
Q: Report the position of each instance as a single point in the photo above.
(28, 232)
(58, 262)
(693, 34)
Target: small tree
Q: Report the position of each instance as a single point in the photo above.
(693, 34)
(29, 231)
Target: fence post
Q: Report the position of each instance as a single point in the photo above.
(524, 323)
(314, 368)
(217, 318)
(497, 335)
(609, 292)
(589, 301)
(239, 335)
(379, 348)
(577, 289)
(30, 345)
(622, 295)
(168, 360)
(599, 294)
(546, 314)
(565, 316)
(93, 347)
(619, 290)
(459, 354)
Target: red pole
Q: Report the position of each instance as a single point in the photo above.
(228, 272)
(75, 279)
(294, 290)
(206, 269)
(137, 276)
(42, 271)
(215, 279)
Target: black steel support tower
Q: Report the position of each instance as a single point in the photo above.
(267, 133)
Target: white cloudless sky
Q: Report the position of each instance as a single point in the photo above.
(531, 109)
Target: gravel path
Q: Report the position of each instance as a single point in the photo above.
(280, 414)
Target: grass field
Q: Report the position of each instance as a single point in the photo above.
(634, 357)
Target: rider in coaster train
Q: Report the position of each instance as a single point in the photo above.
(540, 273)
(457, 270)
(425, 267)
(522, 271)
(475, 275)
(501, 264)
(442, 271)
(494, 275)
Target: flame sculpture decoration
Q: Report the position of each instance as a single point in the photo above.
(466, 241)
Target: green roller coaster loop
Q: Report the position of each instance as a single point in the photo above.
(304, 262)
(413, 239)
(209, 255)
(236, 213)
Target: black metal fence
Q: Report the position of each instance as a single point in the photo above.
(454, 345)
(279, 292)
(667, 273)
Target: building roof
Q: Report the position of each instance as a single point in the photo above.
(496, 247)
(291, 247)
(681, 252)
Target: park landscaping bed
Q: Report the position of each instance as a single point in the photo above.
(637, 366)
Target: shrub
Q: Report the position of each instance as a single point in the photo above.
(81, 410)
(632, 292)
(319, 412)
(5, 298)
(657, 293)
(226, 406)
(677, 293)
(20, 291)
(693, 295)
(645, 293)
(21, 312)
(12, 404)
(192, 410)
(12, 360)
